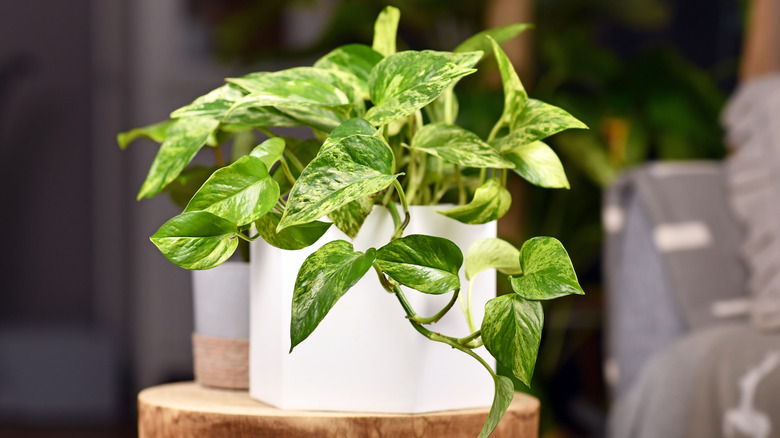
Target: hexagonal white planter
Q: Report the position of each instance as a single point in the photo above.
(365, 356)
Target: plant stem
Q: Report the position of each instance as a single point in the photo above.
(494, 132)
(469, 338)
(286, 170)
(293, 159)
(469, 315)
(266, 131)
(454, 344)
(399, 231)
(435, 318)
(461, 187)
(504, 173)
(394, 214)
(248, 238)
(218, 156)
(382, 279)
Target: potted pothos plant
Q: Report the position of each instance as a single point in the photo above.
(385, 141)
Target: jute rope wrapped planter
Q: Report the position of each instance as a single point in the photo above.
(221, 362)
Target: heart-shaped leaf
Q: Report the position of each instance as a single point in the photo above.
(239, 193)
(511, 331)
(356, 126)
(536, 121)
(196, 240)
(296, 86)
(319, 98)
(499, 34)
(155, 132)
(269, 151)
(491, 202)
(184, 139)
(355, 167)
(349, 217)
(547, 271)
(385, 30)
(214, 104)
(353, 59)
(291, 238)
(426, 263)
(538, 164)
(405, 82)
(515, 96)
(505, 392)
(459, 146)
(492, 253)
(325, 276)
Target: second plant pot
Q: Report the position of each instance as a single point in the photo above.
(220, 344)
(365, 356)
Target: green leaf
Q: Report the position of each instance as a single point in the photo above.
(459, 146)
(491, 202)
(511, 331)
(296, 86)
(426, 263)
(269, 151)
(196, 240)
(324, 277)
(515, 97)
(291, 238)
(356, 126)
(386, 30)
(155, 132)
(505, 391)
(492, 253)
(499, 34)
(405, 82)
(185, 138)
(536, 121)
(464, 59)
(240, 193)
(350, 217)
(353, 59)
(547, 271)
(538, 164)
(319, 98)
(355, 167)
(187, 183)
(213, 104)
(259, 117)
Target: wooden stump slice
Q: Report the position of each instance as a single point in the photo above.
(184, 410)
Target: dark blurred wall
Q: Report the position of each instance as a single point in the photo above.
(45, 145)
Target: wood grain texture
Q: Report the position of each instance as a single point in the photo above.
(186, 410)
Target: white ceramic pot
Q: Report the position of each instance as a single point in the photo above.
(365, 356)
(221, 338)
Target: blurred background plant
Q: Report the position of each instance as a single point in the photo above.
(648, 76)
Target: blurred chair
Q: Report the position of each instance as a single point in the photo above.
(693, 274)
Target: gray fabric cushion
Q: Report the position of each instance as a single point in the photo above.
(671, 261)
(753, 175)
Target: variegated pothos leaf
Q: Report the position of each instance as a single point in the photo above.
(458, 146)
(354, 167)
